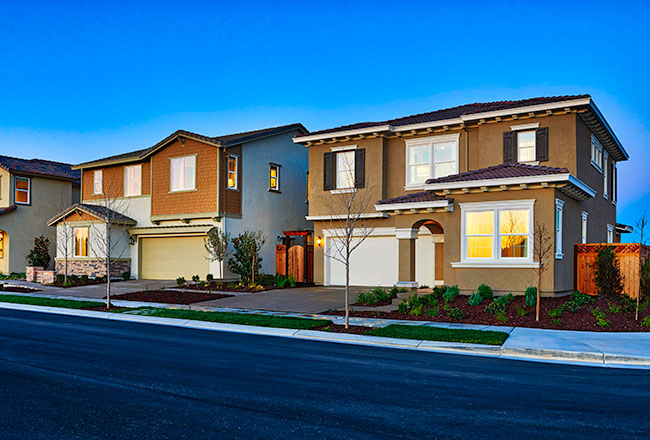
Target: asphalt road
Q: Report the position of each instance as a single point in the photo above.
(80, 378)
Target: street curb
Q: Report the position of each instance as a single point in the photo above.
(537, 355)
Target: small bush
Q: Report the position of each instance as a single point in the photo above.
(417, 310)
(601, 318)
(281, 281)
(84, 279)
(380, 294)
(646, 321)
(485, 291)
(395, 290)
(60, 279)
(555, 321)
(556, 312)
(196, 278)
(366, 298)
(433, 311)
(581, 299)
(40, 255)
(614, 309)
(502, 317)
(126, 275)
(402, 307)
(292, 281)
(607, 276)
(209, 278)
(475, 299)
(266, 280)
(521, 311)
(531, 296)
(496, 307)
(451, 293)
(438, 291)
(454, 312)
(628, 304)
(180, 281)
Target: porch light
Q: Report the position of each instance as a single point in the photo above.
(319, 240)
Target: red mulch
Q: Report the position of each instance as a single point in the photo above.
(102, 308)
(169, 296)
(379, 304)
(353, 329)
(232, 287)
(18, 289)
(582, 319)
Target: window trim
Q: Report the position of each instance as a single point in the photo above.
(559, 226)
(596, 146)
(346, 189)
(430, 141)
(236, 157)
(497, 260)
(534, 132)
(74, 242)
(610, 230)
(277, 177)
(126, 180)
(614, 181)
(101, 182)
(171, 173)
(605, 175)
(28, 190)
(584, 227)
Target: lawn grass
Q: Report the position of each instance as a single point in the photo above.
(48, 302)
(440, 334)
(237, 318)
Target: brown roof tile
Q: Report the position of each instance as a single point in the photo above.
(503, 171)
(424, 196)
(40, 167)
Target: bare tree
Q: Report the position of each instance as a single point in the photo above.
(63, 242)
(216, 244)
(349, 225)
(542, 249)
(641, 224)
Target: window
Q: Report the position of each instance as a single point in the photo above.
(2, 244)
(497, 231)
(274, 177)
(183, 173)
(80, 242)
(98, 177)
(559, 208)
(596, 153)
(345, 169)
(605, 176)
(232, 164)
(610, 233)
(614, 181)
(431, 158)
(526, 146)
(22, 193)
(133, 180)
(584, 227)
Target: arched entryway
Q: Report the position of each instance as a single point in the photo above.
(421, 254)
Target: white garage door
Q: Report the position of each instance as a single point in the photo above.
(373, 263)
(167, 258)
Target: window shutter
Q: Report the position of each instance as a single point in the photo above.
(541, 144)
(360, 168)
(509, 147)
(328, 171)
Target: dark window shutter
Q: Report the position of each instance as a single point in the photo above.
(509, 153)
(360, 168)
(328, 171)
(541, 144)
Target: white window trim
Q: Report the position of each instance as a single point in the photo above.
(614, 182)
(28, 191)
(529, 162)
(430, 141)
(344, 190)
(497, 260)
(605, 175)
(101, 182)
(559, 209)
(595, 143)
(584, 227)
(344, 148)
(522, 127)
(277, 177)
(126, 180)
(74, 243)
(171, 173)
(610, 230)
(236, 187)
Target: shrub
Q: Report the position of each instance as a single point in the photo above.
(496, 307)
(395, 290)
(607, 276)
(433, 311)
(126, 275)
(281, 281)
(475, 299)
(531, 296)
(292, 281)
(417, 310)
(454, 312)
(60, 279)
(180, 281)
(196, 278)
(521, 311)
(438, 291)
(555, 321)
(402, 307)
(628, 304)
(84, 279)
(266, 280)
(209, 278)
(601, 318)
(645, 279)
(40, 255)
(485, 291)
(614, 309)
(581, 299)
(246, 261)
(366, 298)
(646, 321)
(451, 293)
(556, 312)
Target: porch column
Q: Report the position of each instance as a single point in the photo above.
(406, 257)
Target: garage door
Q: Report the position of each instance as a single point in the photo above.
(373, 263)
(167, 258)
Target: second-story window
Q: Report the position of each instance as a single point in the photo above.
(596, 153)
(431, 158)
(345, 169)
(232, 165)
(133, 180)
(98, 182)
(526, 146)
(183, 173)
(274, 177)
(22, 190)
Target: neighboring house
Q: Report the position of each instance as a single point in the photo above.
(459, 191)
(31, 191)
(165, 198)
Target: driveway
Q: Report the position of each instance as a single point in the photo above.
(99, 290)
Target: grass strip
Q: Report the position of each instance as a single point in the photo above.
(236, 318)
(48, 302)
(440, 334)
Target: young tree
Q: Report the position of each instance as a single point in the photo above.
(63, 241)
(246, 261)
(216, 244)
(641, 224)
(542, 249)
(39, 256)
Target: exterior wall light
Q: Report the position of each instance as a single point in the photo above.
(319, 241)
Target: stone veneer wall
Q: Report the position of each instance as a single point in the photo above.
(93, 267)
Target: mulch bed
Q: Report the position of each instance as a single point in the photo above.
(102, 308)
(354, 329)
(379, 304)
(232, 287)
(18, 289)
(169, 296)
(582, 319)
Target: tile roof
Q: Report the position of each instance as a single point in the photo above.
(98, 211)
(451, 113)
(40, 167)
(424, 196)
(503, 171)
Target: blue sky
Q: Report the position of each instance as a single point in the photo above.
(82, 80)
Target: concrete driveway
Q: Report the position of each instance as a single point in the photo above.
(99, 290)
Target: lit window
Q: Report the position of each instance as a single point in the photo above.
(345, 169)
(513, 232)
(274, 177)
(480, 233)
(610, 233)
(526, 146)
(559, 209)
(133, 180)
(80, 242)
(98, 177)
(22, 193)
(431, 158)
(584, 227)
(596, 153)
(183, 173)
(232, 171)
(2, 244)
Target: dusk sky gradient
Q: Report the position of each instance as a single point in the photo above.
(83, 80)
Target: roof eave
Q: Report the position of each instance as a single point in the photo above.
(413, 205)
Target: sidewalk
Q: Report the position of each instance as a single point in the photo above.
(573, 347)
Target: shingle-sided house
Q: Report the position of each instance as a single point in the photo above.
(31, 191)
(457, 193)
(162, 201)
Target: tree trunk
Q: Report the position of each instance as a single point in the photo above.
(253, 270)
(108, 267)
(347, 291)
(539, 291)
(220, 271)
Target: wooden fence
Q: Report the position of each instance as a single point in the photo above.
(628, 255)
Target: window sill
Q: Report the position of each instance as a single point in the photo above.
(23, 203)
(595, 165)
(530, 162)
(130, 196)
(232, 189)
(494, 264)
(559, 256)
(343, 191)
(414, 187)
(277, 191)
(175, 191)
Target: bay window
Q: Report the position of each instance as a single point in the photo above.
(431, 158)
(183, 173)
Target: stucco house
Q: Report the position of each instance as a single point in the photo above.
(31, 191)
(161, 201)
(457, 193)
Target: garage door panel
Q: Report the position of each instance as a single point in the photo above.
(167, 258)
(373, 263)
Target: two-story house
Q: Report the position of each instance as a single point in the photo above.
(458, 193)
(162, 200)
(31, 191)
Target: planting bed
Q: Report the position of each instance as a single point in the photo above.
(169, 296)
(19, 289)
(235, 287)
(80, 283)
